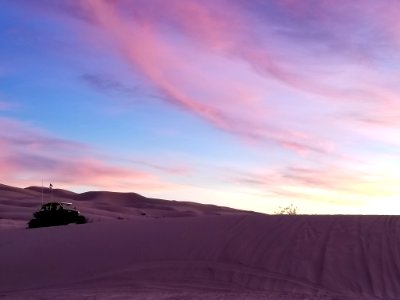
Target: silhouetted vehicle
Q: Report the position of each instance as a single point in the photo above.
(56, 213)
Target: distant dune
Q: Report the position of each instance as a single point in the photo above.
(179, 250)
(17, 205)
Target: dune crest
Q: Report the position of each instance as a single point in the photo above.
(18, 204)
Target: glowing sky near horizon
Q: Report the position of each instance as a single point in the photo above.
(248, 104)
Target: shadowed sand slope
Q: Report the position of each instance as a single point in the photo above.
(255, 256)
(17, 205)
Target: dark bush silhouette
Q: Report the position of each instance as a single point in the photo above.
(56, 213)
(288, 210)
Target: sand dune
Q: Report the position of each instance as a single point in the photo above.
(227, 256)
(17, 205)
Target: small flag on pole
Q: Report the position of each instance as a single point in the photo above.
(51, 192)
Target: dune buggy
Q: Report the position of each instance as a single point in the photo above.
(56, 213)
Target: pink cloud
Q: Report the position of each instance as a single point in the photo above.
(219, 90)
(225, 28)
(255, 76)
(340, 182)
(297, 176)
(92, 172)
(32, 138)
(197, 54)
(27, 155)
(322, 48)
(6, 105)
(171, 168)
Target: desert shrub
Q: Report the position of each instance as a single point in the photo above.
(288, 210)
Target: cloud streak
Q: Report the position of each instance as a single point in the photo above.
(197, 55)
(233, 102)
(27, 155)
(105, 83)
(6, 106)
(338, 183)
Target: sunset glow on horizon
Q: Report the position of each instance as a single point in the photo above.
(248, 104)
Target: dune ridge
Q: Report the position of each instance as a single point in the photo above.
(18, 204)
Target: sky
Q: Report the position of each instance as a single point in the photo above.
(254, 105)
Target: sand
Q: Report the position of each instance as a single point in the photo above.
(188, 251)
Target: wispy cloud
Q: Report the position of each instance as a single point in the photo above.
(28, 154)
(339, 182)
(230, 97)
(7, 105)
(170, 168)
(105, 83)
(197, 55)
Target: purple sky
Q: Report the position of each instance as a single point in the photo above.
(249, 104)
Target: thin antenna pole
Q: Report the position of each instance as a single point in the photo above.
(42, 191)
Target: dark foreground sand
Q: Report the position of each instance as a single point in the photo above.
(211, 254)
